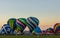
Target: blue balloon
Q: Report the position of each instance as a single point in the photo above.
(6, 29)
(37, 30)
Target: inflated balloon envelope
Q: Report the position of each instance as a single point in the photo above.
(37, 30)
(6, 29)
(21, 24)
(57, 28)
(49, 31)
(12, 23)
(32, 23)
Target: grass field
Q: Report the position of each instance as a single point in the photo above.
(31, 36)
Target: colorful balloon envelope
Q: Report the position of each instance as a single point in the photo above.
(57, 28)
(50, 30)
(21, 24)
(32, 23)
(6, 29)
(12, 23)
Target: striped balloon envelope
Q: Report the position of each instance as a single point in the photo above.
(12, 23)
(32, 23)
(21, 24)
(57, 28)
(6, 29)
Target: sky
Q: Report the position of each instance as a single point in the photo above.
(47, 11)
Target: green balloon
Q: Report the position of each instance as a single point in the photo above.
(21, 24)
(12, 23)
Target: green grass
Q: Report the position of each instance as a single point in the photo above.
(31, 36)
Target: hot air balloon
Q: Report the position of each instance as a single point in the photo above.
(49, 31)
(21, 24)
(12, 23)
(57, 28)
(37, 31)
(32, 23)
(6, 29)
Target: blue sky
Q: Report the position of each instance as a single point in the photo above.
(46, 11)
